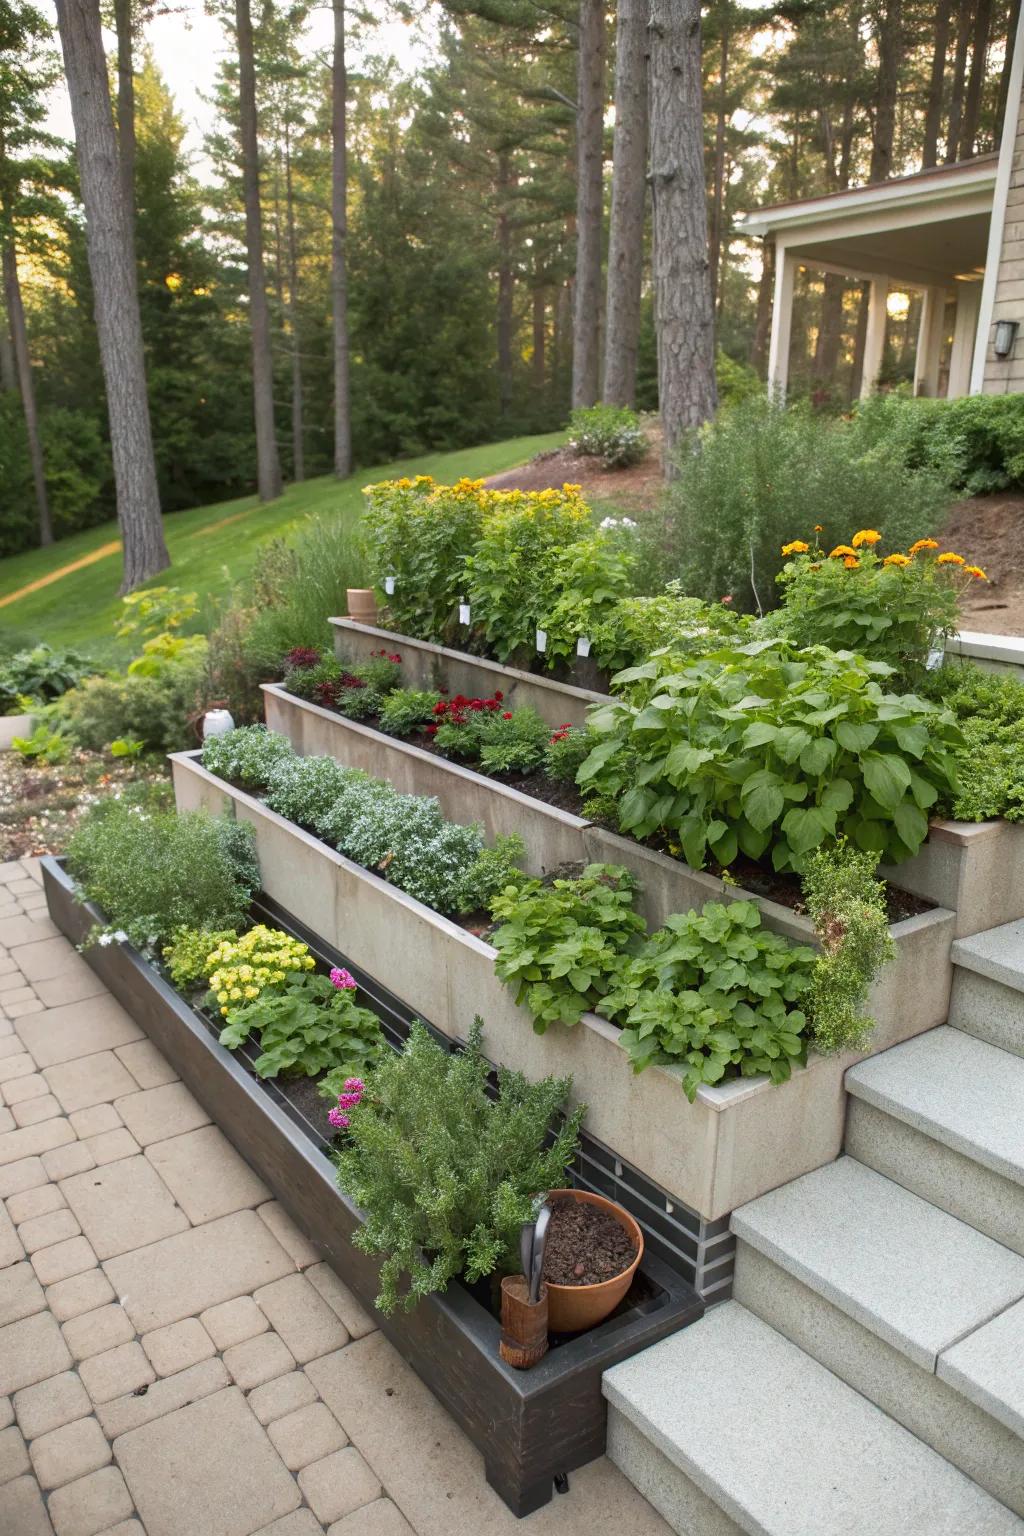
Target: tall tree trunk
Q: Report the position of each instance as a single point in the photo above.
(933, 99)
(1004, 79)
(268, 465)
(888, 41)
(115, 292)
(956, 100)
(718, 175)
(123, 21)
(339, 239)
(8, 375)
(826, 350)
(23, 364)
(860, 337)
(505, 284)
(976, 79)
(629, 190)
(540, 339)
(298, 446)
(763, 321)
(586, 356)
(682, 290)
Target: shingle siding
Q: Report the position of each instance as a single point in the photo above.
(1005, 375)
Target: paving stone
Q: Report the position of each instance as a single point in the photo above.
(302, 1317)
(22, 886)
(145, 1063)
(157, 1113)
(11, 1247)
(122, 1206)
(93, 1025)
(234, 1321)
(282, 1396)
(46, 958)
(51, 1404)
(7, 1120)
(81, 1293)
(181, 1480)
(63, 1260)
(31, 1350)
(20, 1293)
(6, 1412)
(92, 1333)
(22, 1511)
(89, 1505)
(64, 1162)
(10, 870)
(73, 1451)
(258, 1360)
(45, 1231)
(33, 867)
(32, 1111)
(116, 1372)
(25, 930)
(20, 1065)
(94, 1120)
(307, 1435)
(13, 1455)
(12, 981)
(126, 1528)
(288, 1235)
(10, 1045)
(206, 1175)
(24, 1088)
(72, 987)
(92, 1079)
(21, 1010)
(301, 1522)
(381, 1518)
(340, 1299)
(112, 1147)
(339, 1484)
(29, 1203)
(172, 1392)
(178, 1346)
(185, 1274)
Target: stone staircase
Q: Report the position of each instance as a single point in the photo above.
(867, 1379)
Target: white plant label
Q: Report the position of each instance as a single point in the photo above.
(935, 659)
(542, 639)
(583, 645)
(463, 613)
(389, 585)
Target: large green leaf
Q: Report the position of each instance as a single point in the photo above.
(911, 823)
(807, 828)
(887, 777)
(762, 798)
(854, 737)
(818, 755)
(791, 741)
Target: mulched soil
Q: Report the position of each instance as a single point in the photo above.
(629, 490)
(585, 1245)
(762, 880)
(40, 804)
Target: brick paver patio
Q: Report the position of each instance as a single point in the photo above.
(174, 1358)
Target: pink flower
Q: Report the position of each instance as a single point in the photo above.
(726, 599)
(337, 1119)
(343, 980)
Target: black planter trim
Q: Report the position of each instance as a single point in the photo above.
(531, 1427)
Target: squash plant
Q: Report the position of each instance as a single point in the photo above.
(767, 748)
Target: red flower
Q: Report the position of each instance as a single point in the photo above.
(440, 707)
(491, 704)
(396, 659)
(498, 695)
(349, 681)
(507, 715)
(303, 656)
(431, 730)
(476, 703)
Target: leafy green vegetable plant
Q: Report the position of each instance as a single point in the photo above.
(766, 749)
(847, 906)
(40, 673)
(305, 1025)
(685, 626)
(443, 1174)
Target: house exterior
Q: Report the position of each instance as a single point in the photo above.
(954, 233)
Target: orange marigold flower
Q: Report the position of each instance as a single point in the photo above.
(896, 560)
(915, 549)
(865, 536)
(797, 547)
(841, 549)
(950, 559)
(819, 528)
(851, 562)
(976, 570)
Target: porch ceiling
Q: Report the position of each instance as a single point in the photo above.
(918, 254)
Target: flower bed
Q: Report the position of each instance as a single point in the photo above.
(735, 1142)
(530, 1426)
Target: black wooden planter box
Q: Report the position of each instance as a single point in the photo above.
(531, 1427)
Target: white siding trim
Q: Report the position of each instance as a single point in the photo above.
(1007, 146)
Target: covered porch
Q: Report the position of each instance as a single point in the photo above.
(926, 234)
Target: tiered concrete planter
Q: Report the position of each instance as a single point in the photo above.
(993, 653)
(974, 868)
(11, 726)
(733, 1143)
(530, 1426)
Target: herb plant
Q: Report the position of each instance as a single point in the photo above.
(305, 1025)
(246, 756)
(847, 906)
(443, 1174)
(407, 710)
(497, 740)
(990, 710)
(567, 750)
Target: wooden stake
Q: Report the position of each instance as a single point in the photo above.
(524, 1324)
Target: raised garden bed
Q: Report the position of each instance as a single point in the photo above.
(531, 1427)
(736, 1141)
(11, 726)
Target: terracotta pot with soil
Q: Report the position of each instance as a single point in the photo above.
(591, 1254)
(362, 605)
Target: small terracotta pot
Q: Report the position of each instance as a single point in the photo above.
(362, 605)
(571, 1308)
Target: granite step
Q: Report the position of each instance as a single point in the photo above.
(943, 1115)
(729, 1428)
(987, 999)
(878, 1285)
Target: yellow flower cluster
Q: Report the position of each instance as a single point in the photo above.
(239, 969)
(864, 538)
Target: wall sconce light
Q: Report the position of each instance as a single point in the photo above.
(1006, 335)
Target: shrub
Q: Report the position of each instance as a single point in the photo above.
(157, 710)
(305, 1025)
(322, 678)
(498, 741)
(686, 626)
(892, 607)
(444, 1175)
(421, 534)
(716, 993)
(238, 969)
(306, 789)
(758, 472)
(407, 710)
(847, 906)
(561, 945)
(153, 872)
(41, 673)
(188, 951)
(567, 750)
(610, 433)
(990, 765)
(246, 756)
(765, 748)
(977, 442)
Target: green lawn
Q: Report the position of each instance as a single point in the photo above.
(211, 547)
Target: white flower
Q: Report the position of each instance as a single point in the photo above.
(121, 936)
(106, 938)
